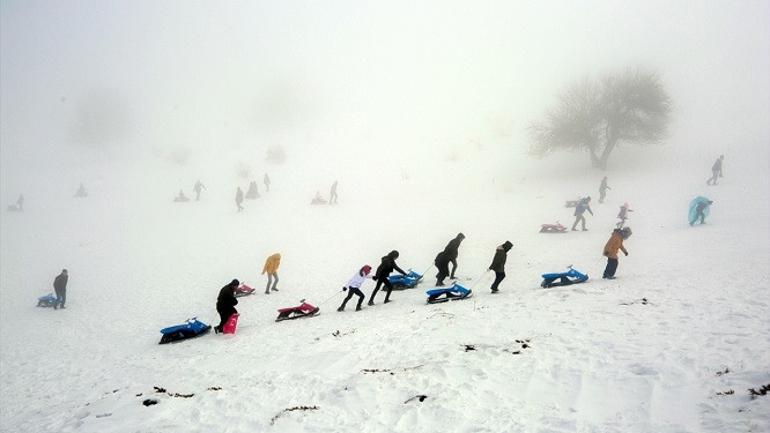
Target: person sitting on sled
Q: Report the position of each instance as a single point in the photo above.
(181, 197)
(611, 248)
(318, 199)
(226, 303)
(354, 287)
(623, 215)
(81, 192)
(271, 269)
(387, 265)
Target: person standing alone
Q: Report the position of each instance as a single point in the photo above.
(716, 171)
(271, 269)
(611, 248)
(603, 187)
(60, 287)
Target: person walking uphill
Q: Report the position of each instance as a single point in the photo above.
(611, 248)
(582, 206)
(442, 263)
(498, 264)
(354, 287)
(239, 198)
(387, 265)
(603, 189)
(271, 269)
(197, 188)
(226, 303)
(60, 287)
(716, 171)
(451, 252)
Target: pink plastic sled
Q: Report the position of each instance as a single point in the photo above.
(304, 310)
(243, 290)
(552, 228)
(231, 324)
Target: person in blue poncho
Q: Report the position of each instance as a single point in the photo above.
(699, 209)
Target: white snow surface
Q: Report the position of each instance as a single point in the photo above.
(598, 358)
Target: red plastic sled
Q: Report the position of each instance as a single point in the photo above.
(553, 228)
(231, 324)
(304, 310)
(243, 290)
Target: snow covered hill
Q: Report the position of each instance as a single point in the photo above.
(653, 351)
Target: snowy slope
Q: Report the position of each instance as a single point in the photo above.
(598, 358)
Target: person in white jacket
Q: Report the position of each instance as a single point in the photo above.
(354, 287)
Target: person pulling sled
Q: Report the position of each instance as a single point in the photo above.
(226, 303)
(387, 265)
(353, 287)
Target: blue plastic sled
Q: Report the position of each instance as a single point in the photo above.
(48, 300)
(455, 292)
(563, 278)
(407, 281)
(693, 205)
(191, 328)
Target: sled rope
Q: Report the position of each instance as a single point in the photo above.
(478, 280)
(330, 298)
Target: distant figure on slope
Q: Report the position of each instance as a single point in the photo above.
(271, 269)
(181, 197)
(451, 252)
(198, 188)
(442, 263)
(716, 171)
(266, 181)
(623, 215)
(611, 248)
(582, 206)
(239, 198)
(333, 193)
(387, 265)
(19, 206)
(318, 199)
(699, 209)
(253, 192)
(81, 192)
(354, 287)
(498, 264)
(60, 287)
(226, 303)
(603, 187)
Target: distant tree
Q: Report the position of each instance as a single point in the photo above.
(629, 107)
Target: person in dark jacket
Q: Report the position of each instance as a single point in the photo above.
(581, 208)
(60, 287)
(451, 252)
(442, 263)
(498, 264)
(387, 265)
(266, 181)
(226, 303)
(603, 187)
(716, 171)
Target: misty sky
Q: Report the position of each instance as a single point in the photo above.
(99, 81)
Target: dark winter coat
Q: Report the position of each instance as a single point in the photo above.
(717, 165)
(226, 298)
(451, 249)
(501, 255)
(583, 206)
(387, 265)
(60, 282)
(441, 260)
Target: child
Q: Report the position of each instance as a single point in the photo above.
(611, 248)
(354, 287)
(623, 215)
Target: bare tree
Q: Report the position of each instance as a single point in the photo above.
(630, 107)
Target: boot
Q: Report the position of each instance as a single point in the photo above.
(358, 308)
(267, 292)
(341, 309)
(371, 303)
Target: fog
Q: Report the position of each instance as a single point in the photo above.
(188, 89)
